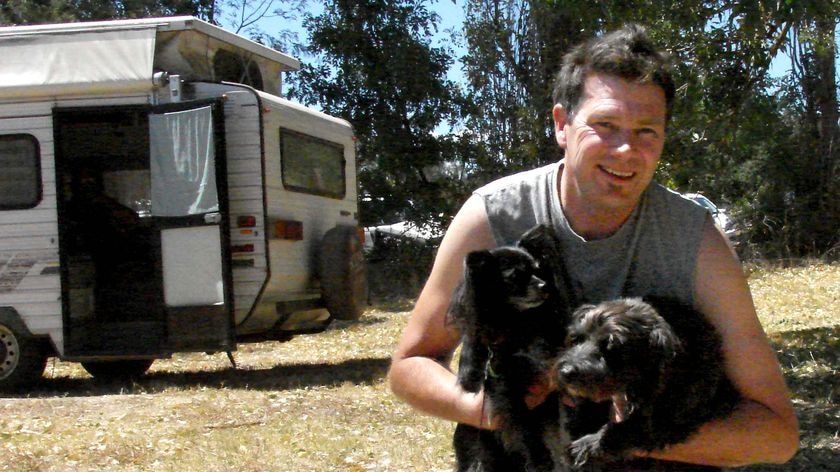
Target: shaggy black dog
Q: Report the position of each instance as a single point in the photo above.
(658, 358)
(512, 317)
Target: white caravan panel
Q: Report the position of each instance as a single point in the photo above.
(189, 280)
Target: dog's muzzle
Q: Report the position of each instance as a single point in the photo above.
(584, 375)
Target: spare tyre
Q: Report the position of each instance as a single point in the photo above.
(343, 274)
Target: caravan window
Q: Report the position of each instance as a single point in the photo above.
(20, 181)
(312, 165)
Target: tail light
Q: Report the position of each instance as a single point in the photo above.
(288, 229)
(246, 224)
(246, 221)
(242, 248)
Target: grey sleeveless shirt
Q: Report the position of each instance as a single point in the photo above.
(653, 253)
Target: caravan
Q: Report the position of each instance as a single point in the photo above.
(158, 196)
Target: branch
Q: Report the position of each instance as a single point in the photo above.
(780, 39)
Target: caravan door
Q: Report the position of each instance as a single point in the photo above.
(188, 204)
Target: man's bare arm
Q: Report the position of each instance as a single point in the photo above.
(763, 429)
(420, 372)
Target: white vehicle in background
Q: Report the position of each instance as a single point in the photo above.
(719, 215)
(157, 195)
(400, 231)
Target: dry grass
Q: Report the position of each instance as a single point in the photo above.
(320, 402)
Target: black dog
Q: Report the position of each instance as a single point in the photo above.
(658, 358)
(512, 320)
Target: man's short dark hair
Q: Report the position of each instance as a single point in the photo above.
(627, 53)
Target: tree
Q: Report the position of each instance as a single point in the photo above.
(514, 49)
(377, 69)
(763, 145)
(803, 214)
(16, 12)
(248, 17)
(769, 152)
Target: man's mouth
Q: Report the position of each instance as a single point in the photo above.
(617, 173)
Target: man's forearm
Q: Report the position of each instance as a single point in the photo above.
(431, 388)
(752, 434)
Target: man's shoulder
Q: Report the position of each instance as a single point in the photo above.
(664, 198)
(514, 204)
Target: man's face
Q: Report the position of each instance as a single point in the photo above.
(612, 143)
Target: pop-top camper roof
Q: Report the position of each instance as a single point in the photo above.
(123, 56)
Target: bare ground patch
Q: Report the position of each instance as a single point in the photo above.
(320, 402)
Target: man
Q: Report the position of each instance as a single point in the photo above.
(621, 235)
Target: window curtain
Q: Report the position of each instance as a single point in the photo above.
(183, 163)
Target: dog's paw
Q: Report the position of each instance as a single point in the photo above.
(585, 450)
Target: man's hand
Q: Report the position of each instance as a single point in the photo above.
(538, 391)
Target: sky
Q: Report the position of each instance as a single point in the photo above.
(452, 16)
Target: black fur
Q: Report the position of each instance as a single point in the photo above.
(512, 320)
(659, 358)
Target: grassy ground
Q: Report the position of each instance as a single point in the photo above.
(320, 403)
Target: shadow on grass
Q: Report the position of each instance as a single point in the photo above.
(394, 304)
(810, 360)
(807, 460)
(368, 319)
(281, 377)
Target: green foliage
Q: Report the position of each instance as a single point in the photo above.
(764, 147)
(509, 66)
(397, 268)
(377, 68)
(14, 12)
(767, 152)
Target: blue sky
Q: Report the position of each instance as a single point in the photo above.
(452, 16)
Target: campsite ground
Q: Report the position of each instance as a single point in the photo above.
(320, 402)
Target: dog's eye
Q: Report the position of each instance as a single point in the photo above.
(612, 342)
(575, 338)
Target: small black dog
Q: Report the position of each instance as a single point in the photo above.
(658, 358)
(512, 328)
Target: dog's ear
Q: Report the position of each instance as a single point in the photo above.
(666, 345)
(662, 337)
(538, 238)
(664, 341)
(582, 310)
(466, 303)
(478, 261)
(543, 244)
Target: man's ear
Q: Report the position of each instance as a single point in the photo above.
(559, 115)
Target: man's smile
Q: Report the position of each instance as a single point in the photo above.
(617, 173)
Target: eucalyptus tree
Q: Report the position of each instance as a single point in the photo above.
(514, 48)
(763, 144)
(375, 66)
(14, 12)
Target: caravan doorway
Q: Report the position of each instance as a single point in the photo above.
(141, 226)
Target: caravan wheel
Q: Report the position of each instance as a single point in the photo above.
(122, 370)
(22, 358)
(343, 274)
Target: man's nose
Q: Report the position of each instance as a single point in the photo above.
(622, 142)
